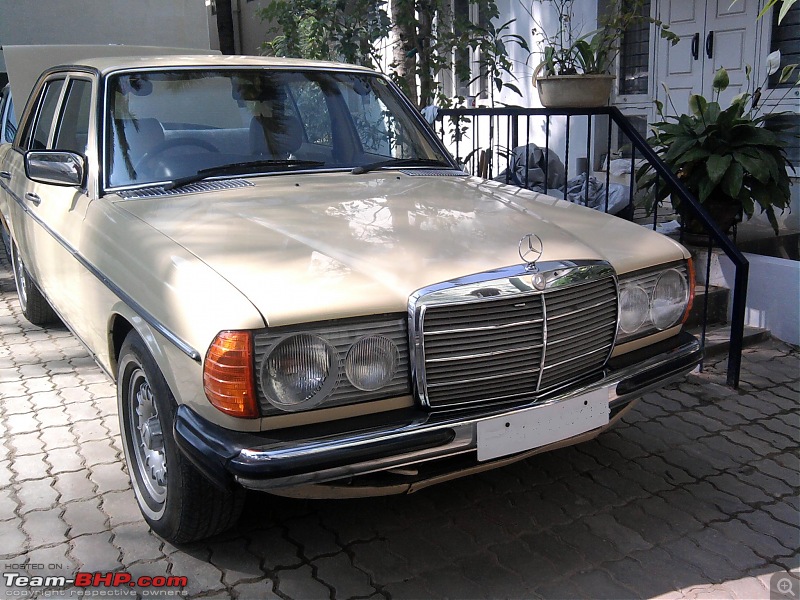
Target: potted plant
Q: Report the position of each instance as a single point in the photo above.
(725, 157)
(576, 68)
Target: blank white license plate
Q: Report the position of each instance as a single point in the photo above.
(542, 425)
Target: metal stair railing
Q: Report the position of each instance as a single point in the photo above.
(502, 129)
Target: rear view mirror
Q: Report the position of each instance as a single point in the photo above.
(55, 167)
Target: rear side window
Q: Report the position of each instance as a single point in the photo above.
(44, 120)
(9, 124)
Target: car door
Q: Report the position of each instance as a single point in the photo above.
(47, 219)
(8, 130)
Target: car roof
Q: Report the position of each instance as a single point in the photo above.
(110, 64)
(26, 63)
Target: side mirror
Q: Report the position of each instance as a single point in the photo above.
(55, 167)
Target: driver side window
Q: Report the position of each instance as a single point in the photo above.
(73, 128)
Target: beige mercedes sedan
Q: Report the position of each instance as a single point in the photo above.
(298, 290)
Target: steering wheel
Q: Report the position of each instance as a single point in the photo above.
(166, 145)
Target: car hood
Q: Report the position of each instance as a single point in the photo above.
(308, 247)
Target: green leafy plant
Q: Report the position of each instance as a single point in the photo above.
(491, 46)
(725, 157)
(345, 30)
(571, 52)
(785, 6)
(425, 35)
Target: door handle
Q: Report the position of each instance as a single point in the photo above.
(5, 175)
(696, 46)
(710, 44)
(33, 198)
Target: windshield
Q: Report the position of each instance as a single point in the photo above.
(163, 126)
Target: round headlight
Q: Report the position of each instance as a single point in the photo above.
(669, 299)
(371, 362)
(299, 372)
(633, 308)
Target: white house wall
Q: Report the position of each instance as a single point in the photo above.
(176, 23)
(179, 23)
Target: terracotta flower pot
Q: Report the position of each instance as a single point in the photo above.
(574, 91)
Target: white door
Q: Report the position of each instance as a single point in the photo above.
(714, 34)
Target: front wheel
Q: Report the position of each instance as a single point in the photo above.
(34, 305)
(6, 241)
(177, 502)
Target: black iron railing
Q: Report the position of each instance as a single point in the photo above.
(485, 139)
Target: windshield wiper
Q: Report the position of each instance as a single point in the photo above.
(241, 168)
(401, 162)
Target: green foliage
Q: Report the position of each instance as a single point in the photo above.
(491, 44)
(351, 30)
(428, 36)
(431, 35)
(326, 29)
(785, 6)
(722, 155)
(570, 52)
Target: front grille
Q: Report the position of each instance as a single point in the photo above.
(581, 325)
(495, 350)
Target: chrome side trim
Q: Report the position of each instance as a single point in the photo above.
(83, 343)
(148, 318)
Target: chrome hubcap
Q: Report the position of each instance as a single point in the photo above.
(148, 438)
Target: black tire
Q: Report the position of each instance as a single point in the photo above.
(34, 305)
(177, 501)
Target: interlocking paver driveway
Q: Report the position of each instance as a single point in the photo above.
(694, 495)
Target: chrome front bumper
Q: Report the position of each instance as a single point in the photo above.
(279, 461)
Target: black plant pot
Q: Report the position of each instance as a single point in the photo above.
(725, 211)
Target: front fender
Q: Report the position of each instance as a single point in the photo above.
(183, 375)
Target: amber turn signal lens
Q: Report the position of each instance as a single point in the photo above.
(228, 374)
(691, 274)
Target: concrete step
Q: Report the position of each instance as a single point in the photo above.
(717, 299)
(718, 337)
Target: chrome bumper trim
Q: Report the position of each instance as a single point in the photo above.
(258, 463)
